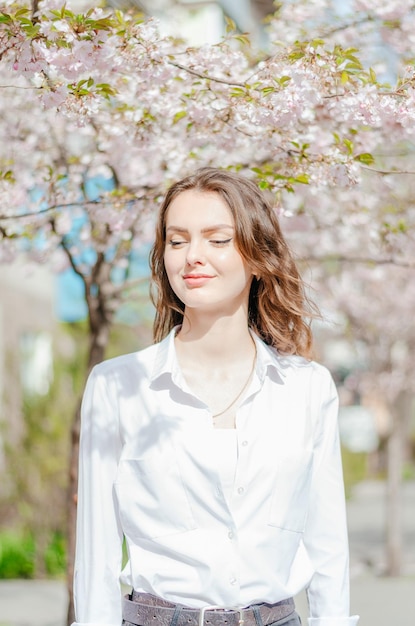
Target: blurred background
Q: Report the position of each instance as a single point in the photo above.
(44, 341)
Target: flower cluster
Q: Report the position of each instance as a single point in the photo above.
(100, 112)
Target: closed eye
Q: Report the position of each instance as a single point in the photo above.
(220, 242)
(175, 243)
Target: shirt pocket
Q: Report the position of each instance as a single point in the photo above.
(152, 497)
(291, 491)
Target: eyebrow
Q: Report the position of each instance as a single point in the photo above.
(208, 229)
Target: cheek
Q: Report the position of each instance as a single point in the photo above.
(229, 257)
(235, 263)
(171, 266)
(167, 265)
(168, 259)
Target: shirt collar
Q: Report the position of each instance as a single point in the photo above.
(166, 361)
(268, 358)
(270, 361)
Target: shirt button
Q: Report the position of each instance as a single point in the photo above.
(230, 535)
(245, 443)
(233, 581)
(241, 490)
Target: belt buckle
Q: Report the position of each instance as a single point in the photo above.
(228, 608)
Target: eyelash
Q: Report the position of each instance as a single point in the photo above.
(221, 242)
(217, 242)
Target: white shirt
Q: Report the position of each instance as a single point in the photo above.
(225, 441)
(149, 471)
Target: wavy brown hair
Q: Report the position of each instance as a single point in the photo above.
(279, 310)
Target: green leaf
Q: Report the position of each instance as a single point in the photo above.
(230, 25)
(21, 13)
(7, 175)
(25, 21)
(353, 66)
(302, 178)
(238, 92)
(178, 116)
(344, 78)
(263, 184)
(30, 29)
(61, 43)
(5, 18)
(349, 145)
(106, 89)
(295, 56)
(102, 24)
(243, 39)
(365, 157)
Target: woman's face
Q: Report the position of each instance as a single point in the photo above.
(203, 265)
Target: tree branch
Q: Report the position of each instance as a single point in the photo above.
(386, 172)
(360, 260)
(356, 23)
(342, 27)
(53, 207)
(67, 252)
(18, 87)
(204, 77)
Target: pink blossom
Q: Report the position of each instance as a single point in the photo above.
(141, 110)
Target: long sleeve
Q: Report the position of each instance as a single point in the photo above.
(325, 536)
(99, 536)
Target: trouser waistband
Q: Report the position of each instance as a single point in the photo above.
(144, 609)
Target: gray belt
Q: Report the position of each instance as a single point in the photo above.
(143, 609)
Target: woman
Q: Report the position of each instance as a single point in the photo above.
(214, 452)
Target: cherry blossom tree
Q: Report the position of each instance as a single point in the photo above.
(100, 112)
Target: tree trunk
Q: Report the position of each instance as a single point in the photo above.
(395, 457)
(35, 6)
(99, 333)
(71, 511)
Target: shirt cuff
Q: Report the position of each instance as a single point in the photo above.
(333, 621)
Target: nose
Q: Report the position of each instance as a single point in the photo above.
(195, 253)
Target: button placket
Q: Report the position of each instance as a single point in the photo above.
(243, 443)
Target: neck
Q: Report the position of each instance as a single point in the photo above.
(224, 338)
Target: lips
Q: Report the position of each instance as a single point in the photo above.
(196, 280)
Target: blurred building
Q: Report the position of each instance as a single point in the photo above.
(27, 324)
(198, 22)
(203, 21)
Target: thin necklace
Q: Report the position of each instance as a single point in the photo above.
(242, 390)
